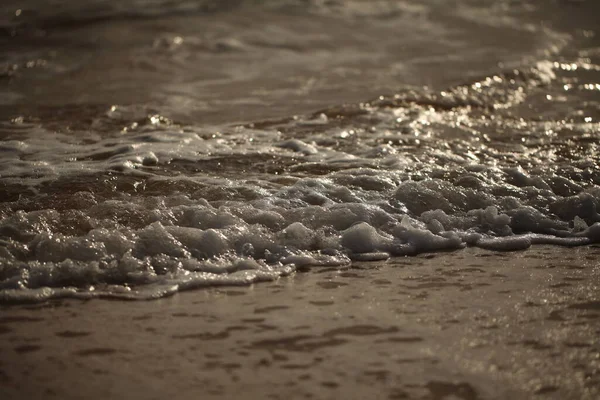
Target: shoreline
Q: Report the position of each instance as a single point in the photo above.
(470, 323)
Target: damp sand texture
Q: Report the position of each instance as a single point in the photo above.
(470, 324)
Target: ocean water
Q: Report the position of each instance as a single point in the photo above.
(152, 146)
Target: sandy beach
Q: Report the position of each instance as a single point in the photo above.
(470, 324)
(233, 159)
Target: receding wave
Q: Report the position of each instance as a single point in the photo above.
(145, 206)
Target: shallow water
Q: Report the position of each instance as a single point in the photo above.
(152, 148)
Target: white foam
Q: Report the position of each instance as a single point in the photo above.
(183, 243)
(363, 238)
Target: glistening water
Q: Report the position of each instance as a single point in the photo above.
(154, 146)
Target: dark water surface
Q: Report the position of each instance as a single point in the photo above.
(148, 147)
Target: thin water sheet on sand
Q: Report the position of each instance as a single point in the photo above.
(470, 324)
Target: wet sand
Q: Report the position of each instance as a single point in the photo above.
(470, 324)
